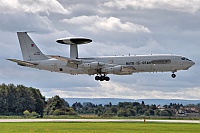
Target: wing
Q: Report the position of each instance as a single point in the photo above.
(70, 60)
(23, 63)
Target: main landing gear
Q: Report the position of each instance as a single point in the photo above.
(102, 78)
(173, 75)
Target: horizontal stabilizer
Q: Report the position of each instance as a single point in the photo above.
(70, 60)
(23, 63)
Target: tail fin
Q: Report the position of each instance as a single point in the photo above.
(30, 51)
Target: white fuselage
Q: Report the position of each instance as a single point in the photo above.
(139, 63)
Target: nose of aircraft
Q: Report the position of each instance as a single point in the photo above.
(191, 63)
(188, 64)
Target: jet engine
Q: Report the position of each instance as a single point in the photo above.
(112, 70)
(92, 65)
(119, 70)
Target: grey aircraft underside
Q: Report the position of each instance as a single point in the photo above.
(99, 66)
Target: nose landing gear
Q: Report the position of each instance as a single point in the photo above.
(173, 75)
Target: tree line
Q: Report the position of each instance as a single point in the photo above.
(130, 109)
(122, 109)
(21, 100)
(14, 100)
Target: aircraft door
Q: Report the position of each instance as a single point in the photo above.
(175, 65)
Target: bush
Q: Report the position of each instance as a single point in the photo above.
(34, 113)
(58, 112)
(26, 113)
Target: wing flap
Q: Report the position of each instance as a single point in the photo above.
(23, 63)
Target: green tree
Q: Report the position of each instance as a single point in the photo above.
(151, 112)
(164, 113)
(170, 112)
(113, 110)
(153, 107)
(133, 112)
(39, 100)
(16, 99)
(143, 103)
(141, 111)
(146, 113)
(157, 112)
(121, 112)
(77, 106)
(25, 99)
(58, 106)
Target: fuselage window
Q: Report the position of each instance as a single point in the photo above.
(167, 61)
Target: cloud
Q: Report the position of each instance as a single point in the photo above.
(26, 22)
(125, 90)
(95, 23)
(33, 6)
(119, 48)
(135, 27)
(33, 15)
(191, 6)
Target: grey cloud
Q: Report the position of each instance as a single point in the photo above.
(177, 5)
(172, 31)
(35, 6)
(25, 22)
(116, 90)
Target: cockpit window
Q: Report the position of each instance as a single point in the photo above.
(183, 58)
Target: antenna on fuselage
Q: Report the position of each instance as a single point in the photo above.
(73, 42)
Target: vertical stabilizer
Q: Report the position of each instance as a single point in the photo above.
(30, 51)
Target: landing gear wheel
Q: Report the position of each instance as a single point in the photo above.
(97, 78)
(102, 78)
(107, 78)
(173, 75)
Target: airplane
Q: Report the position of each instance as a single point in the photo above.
(98, 66)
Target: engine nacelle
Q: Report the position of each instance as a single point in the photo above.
(112, 70)
(92, 65)
(119, 70)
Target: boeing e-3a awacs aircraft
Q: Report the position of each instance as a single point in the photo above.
(99, 66)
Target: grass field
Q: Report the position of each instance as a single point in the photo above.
(100, 127)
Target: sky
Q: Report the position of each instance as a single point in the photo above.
(117, 27)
